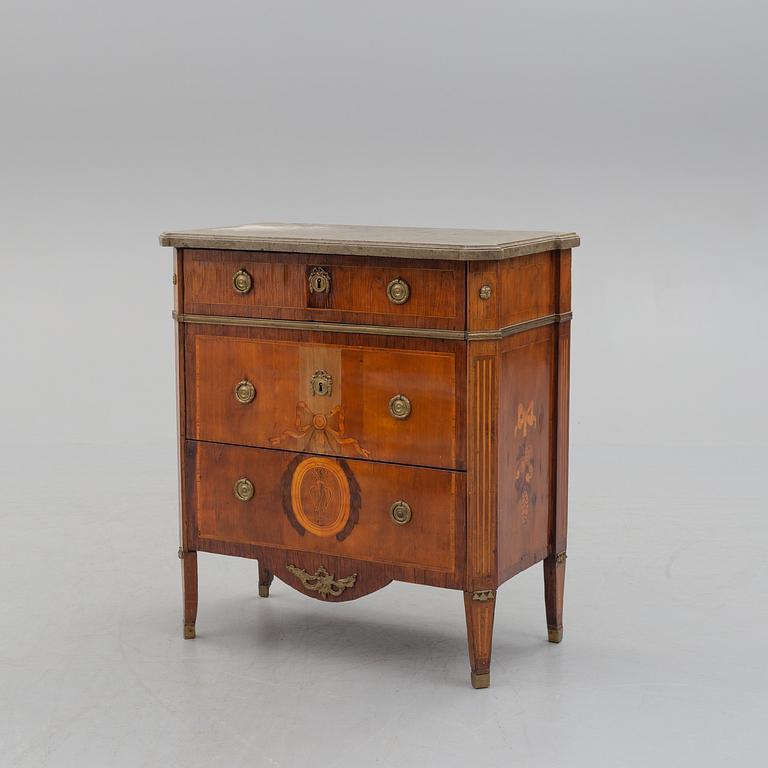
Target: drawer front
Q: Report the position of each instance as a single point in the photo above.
(406, 516)
(361, 290)
(293, 392)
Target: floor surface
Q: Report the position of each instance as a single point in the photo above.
(663, 661)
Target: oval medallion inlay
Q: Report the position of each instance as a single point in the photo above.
(320, 496)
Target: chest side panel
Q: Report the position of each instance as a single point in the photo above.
(525, 449)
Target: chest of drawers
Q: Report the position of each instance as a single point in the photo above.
(359, 405)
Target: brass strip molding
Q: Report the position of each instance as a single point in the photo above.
(376, 330)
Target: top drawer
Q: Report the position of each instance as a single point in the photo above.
(343, 289)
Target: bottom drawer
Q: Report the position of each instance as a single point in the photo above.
(387, 513)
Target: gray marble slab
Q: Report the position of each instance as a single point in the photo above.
(403, 242)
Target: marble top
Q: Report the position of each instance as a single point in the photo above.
(403, 242)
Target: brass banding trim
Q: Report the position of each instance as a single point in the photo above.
(376, 330)
(527, 325)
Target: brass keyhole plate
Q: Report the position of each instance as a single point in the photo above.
(319, 281)
(322, 383)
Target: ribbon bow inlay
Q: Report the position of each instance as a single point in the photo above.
(321, 433)
(525, 418)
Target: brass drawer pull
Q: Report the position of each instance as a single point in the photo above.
(242, 281)
(319, 281)
(400, 512)
(398, 291)
(244, 489)
(245, 392)
(400, 407)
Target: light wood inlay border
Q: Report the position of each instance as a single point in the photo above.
(481, 523)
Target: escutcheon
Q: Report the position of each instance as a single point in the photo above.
(319, 281)
(321, 383)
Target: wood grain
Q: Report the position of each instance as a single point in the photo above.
(482, 465)
(365, 377)
(428, 541)
(521, 289)
(358, 292)
(482, 459)
(525, 450)
(479, 616)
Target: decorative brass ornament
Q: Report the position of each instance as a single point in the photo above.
(320, 497)
(321, 581)
(400, 407)
(560, 558)
(485, 292)
(398, 291)
(321, 432)
(376, 330)
(400, 512)
(245, 392)
(244, 489)
(321, 383)
(555, 635)
(319, 281)
(242, 281)
(483, 595)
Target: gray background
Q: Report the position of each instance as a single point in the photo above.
(640, 125)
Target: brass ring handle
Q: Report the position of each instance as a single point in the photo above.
(242, 281)
(319, 281)
(245, 392)
(400, 512)
(244, 489)
(398, 291)
(400, 407)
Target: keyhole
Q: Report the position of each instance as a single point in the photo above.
(320, 388)
(318, 284)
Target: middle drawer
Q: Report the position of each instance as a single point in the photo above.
(299, 391)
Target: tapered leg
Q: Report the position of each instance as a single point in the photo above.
(265, 579)
(554, 585)
(189, 582)
(479, 608)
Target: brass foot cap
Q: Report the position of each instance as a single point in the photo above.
(189, 631)
(555, 635)
(263, 590)
(481, 679)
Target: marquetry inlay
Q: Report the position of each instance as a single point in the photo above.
(481, 526)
